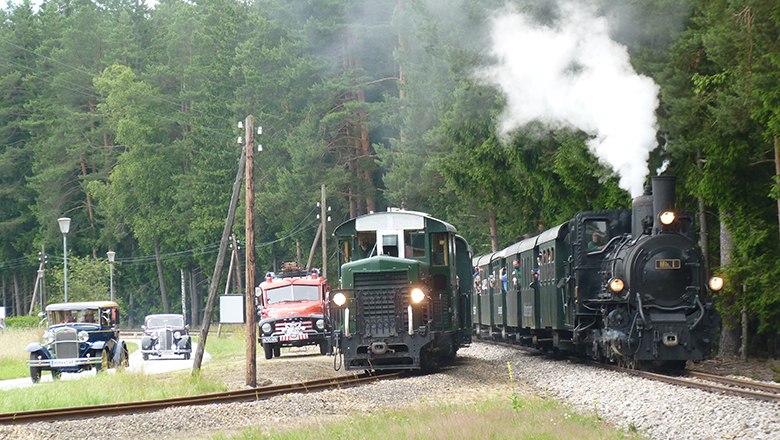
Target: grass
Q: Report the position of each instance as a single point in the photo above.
(496, 418)
(105, 388)
(13, 351)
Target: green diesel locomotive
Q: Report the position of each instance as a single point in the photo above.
(404, 296)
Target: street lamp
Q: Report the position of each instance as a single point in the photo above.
(64, 228)
(111, 255)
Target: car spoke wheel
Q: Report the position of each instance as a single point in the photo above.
(146, 356)
(124, 359)
(35, 372)
(103, 365)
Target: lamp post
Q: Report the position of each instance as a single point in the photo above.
(64, 228)
(111, 255)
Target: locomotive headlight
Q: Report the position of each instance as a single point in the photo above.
(616, 285)
(83, 336)
(266, 327)
(716, 283)
(666, 217)
(417, 295)
(340, 299)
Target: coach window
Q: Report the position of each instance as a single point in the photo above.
(439, 249)
(414, 243)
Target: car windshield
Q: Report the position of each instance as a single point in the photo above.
(165, 321)
(292, 293)
(72, 316)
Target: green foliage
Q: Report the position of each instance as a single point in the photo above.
(24, 321)
(88, 280)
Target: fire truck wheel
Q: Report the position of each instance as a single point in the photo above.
(324, 348)
(277, 350)
(268, 349)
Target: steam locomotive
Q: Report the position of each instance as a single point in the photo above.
(403, 301)
(626, 287)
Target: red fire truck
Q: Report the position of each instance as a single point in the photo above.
(293, 311)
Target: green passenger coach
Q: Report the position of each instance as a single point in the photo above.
(404, 298)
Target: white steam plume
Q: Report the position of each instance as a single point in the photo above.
(571, 73)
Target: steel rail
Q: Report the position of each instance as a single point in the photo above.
(249, 394)
(732, 387)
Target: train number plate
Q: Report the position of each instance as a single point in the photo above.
(667, 264)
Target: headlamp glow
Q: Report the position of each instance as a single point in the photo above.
(417, 295)
(666, 217)
(616, 285)
(716, 283)
(340, 299)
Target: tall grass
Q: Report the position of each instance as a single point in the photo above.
(535, 418)
(105, 388)
(13, 350)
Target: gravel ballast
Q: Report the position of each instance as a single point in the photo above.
(658, 410)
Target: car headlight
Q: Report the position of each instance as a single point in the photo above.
(320, 324)
(83, 336)
(340, 299)
(666, 217)
(716, 283)
(266, 327)
(417, 295)
(177, 334)
(48, 337)
(616, 285)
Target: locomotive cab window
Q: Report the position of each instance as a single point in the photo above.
(345, 252)
(439, 249)
(390, 245)
(596, 235)
(366, 244)
(414, 242)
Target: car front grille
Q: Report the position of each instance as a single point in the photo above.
(66, 343)
(165, 339)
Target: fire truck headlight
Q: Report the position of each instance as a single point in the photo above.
(266, 327)
(616, 285)
(340, 299)
(417, 295)
(320, 324)
(716, 283)
(666, 217)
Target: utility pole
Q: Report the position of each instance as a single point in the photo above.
(323, 220)
(183, 297)
(251, 309)
(206, 322)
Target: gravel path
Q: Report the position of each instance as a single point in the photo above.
(660, 410)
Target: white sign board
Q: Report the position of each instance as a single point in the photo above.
(231, 309)
(2, 312)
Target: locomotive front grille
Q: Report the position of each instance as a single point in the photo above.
(66, 344)
(165, 339)
(379, 302)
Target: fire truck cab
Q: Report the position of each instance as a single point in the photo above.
(292, 311)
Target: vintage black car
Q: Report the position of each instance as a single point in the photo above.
(81, 336)
(165, 334)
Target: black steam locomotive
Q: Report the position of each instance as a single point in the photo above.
(401, 303)
(626, 287)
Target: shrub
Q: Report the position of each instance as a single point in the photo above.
(25, 321)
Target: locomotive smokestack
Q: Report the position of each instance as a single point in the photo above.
(663, 197)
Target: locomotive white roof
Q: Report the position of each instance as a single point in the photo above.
(406, 220)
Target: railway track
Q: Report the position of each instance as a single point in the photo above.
(713, 383)
(243, 395)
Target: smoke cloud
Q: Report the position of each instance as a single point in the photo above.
(571, 73)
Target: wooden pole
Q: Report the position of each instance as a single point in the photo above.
(251, 309)
(323, 229)
(313, 246)
(206, 322)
